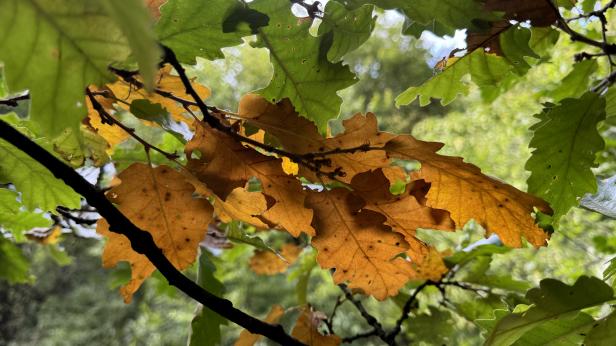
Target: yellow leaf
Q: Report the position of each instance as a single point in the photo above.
(226, 164)
(268, 263)
(248, 339)
(241, 205)
(462, 189)
(306, 330)
(113, 134)
(159, 201)
(358, 245)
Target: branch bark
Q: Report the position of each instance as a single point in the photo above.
(142, 241)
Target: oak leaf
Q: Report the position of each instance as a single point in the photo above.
(241, 205)
(357, 244)
(300, 136)
(248, 339)
(226, 164)
(160, 201)
(306, 330)
(404, 214)
(269, 263)
(466, 193)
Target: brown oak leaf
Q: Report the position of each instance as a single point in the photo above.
(300, 136)
(306, 330)
(466, 193)
(159, 201)
(226, 164)
(404, 215)
(268, 263)
(357, 244)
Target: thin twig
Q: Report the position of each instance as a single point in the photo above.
(406, 309)
(109, 119)
(371, 320)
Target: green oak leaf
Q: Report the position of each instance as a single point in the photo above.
(476, 272)
(514, 43)
(602, 333)
(55, 49)
(133, 18)
(205, 326)
(195, 28)
(38, 187)
(568, 330)
(74, 149)
(542, 40)
(610, 102)
(13, 264)
(565, 142)
(552, 301)
(301, 70)
(16, 220)
(350, 29)
(576, 82)
(487, 70)
(444, 15)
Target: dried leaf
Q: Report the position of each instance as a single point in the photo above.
(299, 135)
(114, 135)
(269, 263)
(160, 201)
(226, 164)
(306, 330)
(357, 244)
(248, 339)
(466, 193)
(154, 7)
(404, 215)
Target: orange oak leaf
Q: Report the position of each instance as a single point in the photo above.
(306, 329)
(226, 164)
(269, 263)
(154, 7)
(466, 193)
(164, 81)
(160, 201)
(299, 135)
(404, 215)
(357, 244)
(248, 339)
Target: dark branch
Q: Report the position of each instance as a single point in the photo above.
(14, 101)
(142, 241)
(406, 310)
(371, 320)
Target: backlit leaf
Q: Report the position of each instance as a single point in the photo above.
(160, 201)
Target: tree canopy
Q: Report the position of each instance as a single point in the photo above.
(220, 146)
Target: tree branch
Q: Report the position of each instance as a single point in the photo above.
(406, 310)
(371, 320)
(142, 241)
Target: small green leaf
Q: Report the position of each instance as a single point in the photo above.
(565, 143)
(38, 187)
(16, 220)
(205, 326)
(542, 40)
(235, 233)
(553, 300)
(515, 46)
(350, 29)
(487, 70)
(576, 82)
(13, 264)
(603, 333)
(610, 102)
